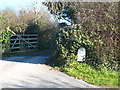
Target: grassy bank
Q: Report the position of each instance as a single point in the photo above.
(103, 78)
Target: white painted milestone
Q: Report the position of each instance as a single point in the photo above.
(81, 54)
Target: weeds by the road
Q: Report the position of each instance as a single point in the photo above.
(87, 73)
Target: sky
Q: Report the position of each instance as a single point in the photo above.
(17, 4)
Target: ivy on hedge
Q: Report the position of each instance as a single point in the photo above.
(5, 35)
(67, 42)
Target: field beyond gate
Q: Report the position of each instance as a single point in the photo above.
(23, 42)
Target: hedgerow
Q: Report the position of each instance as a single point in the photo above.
(70, 39)
(26, 22)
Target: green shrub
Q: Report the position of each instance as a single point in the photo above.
(31, 21)
(5, 35)
(70, 39)
(94, 70)
(99, 20)
(5, 40)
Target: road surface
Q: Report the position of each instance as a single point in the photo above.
(32, 72)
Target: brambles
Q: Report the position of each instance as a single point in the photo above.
(94, 70)
(99, 22)
(69, 40)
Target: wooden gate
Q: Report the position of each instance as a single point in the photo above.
(23, 42)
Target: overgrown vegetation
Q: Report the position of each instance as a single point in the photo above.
(98, 32)
(27, 21)
(94, 27)
(5, 35)
(103, 78)
(93, 70)
(70, 39)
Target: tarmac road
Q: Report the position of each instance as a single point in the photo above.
(32, 72)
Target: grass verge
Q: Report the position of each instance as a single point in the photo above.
(103, 78)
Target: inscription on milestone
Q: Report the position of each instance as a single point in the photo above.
(81, 54)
